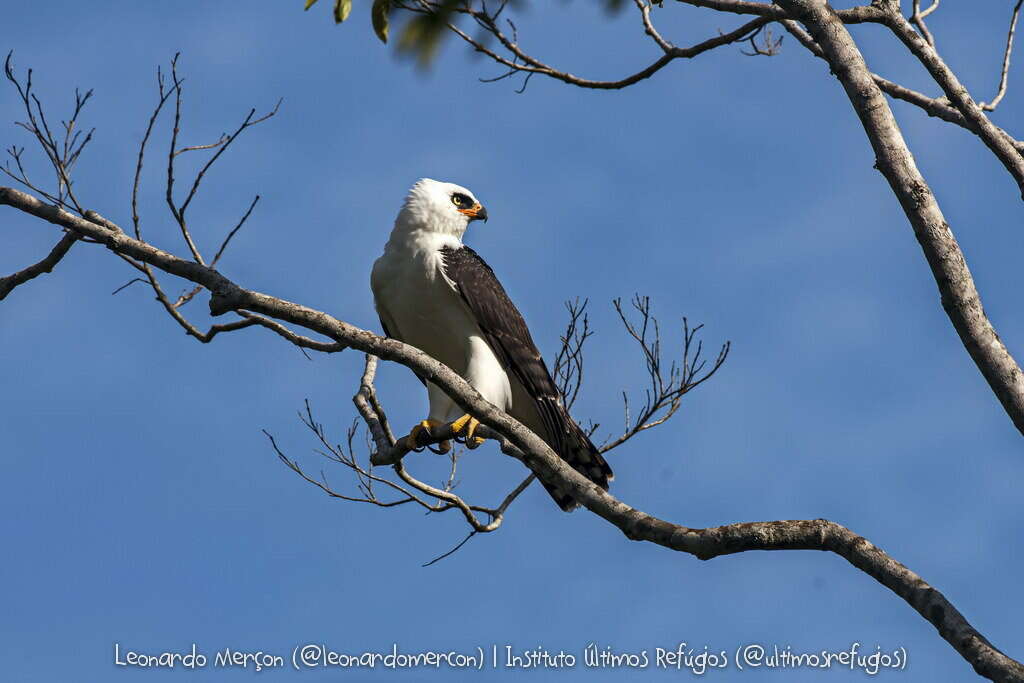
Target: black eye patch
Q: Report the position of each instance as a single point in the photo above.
(461, 200)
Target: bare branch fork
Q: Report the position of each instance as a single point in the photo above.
(568, 366)
(255, 308)
(665, 392)
(62, 151)
(409, 489)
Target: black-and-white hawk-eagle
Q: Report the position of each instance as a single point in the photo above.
(435, 293)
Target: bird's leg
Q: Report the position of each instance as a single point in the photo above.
(468, 424)
(420, 434)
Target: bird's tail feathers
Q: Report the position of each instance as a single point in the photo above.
(574, 446)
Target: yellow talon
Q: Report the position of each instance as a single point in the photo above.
(422, 431)
(468, 423)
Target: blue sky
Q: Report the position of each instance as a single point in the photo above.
(141, 505)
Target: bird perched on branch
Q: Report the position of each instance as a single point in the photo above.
(435, 293)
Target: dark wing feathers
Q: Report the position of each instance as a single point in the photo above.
(510, 339)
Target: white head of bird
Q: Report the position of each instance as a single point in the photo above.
(435, 206)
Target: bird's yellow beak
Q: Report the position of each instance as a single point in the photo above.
(475, 212)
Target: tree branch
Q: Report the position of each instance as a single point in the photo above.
(7, 284)
(1005, 72)
(62, 154)
(938, 107)
(664, 395)
(567, 369)
(960, 298)
(917, 19)
(411, 490)
(958, 95)
(520, 61)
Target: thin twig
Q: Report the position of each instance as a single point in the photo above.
(453, 550)
(666, 388)
(61, 153)
(1004, 74)
(188, 296)
(917, 19)
(568, 366)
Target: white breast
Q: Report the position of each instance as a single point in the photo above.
(421, 307)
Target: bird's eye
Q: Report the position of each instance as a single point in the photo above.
(458, 200)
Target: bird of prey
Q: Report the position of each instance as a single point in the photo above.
(435, 293)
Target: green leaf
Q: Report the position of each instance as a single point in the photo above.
(421, 36)
(342, 8)
(309, 3)
(379, 15)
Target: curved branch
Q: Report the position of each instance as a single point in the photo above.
(645, 15)
(1005, 72)
(520, 442)
(523, 62)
